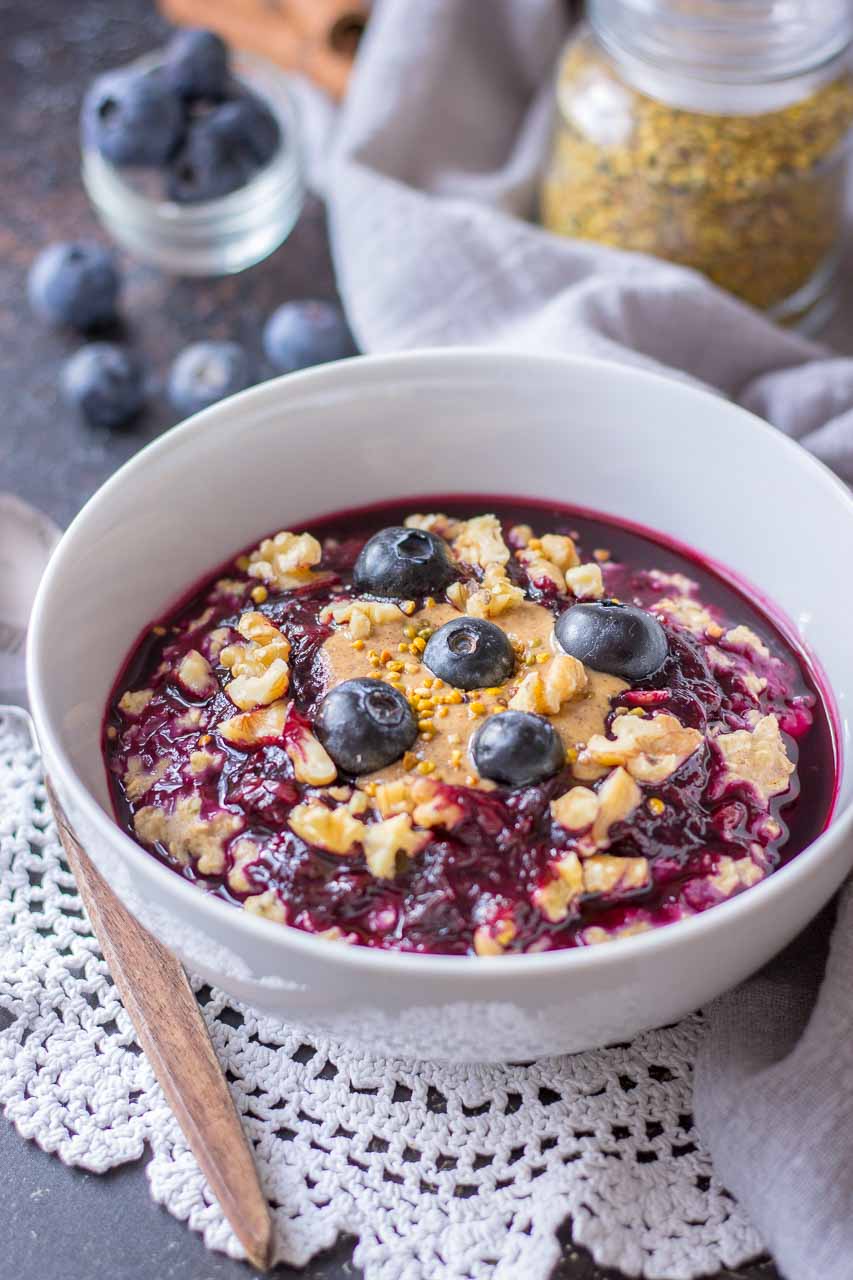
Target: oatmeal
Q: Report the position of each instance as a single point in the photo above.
(472, 728)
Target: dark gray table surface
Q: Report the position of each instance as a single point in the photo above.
(61, 1223)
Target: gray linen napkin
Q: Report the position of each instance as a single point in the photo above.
(432, 176)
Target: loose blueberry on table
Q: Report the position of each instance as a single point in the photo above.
(469, 733)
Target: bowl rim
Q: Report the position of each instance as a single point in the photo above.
(187, 897)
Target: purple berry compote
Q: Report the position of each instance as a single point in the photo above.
(469, 733)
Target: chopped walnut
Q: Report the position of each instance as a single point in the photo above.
(495, 595)
(186, 834)
(744, 638)
(361, 616)
(690, 614)
(215, 641)
(311, 762)
(205, 761)
(651, 750)
(543, 693)
(618, 797)
(479, 542)
(602, 873)
(133, 704)
(138, 780)
(259, 670)
(732, 874)
(230, 587)
(384, 840)
(754, 685)
(595, 934)
(196, 676)
(576, 810)
(758, 757)
(251, 728)
(190, 720)
(585, 582)
(242, 854)
(519, 535)
(560, 550)
(538, 567)
(286, 560)
(555, 898)
(335, 830)
(493, 939)
(436, 522)
(457, 593)
(268, 904)
(423, 798)
(679, 582)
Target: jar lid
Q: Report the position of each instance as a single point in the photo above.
(732, 56)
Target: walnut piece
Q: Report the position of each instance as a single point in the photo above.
(196, 676)
(436, 522)
(603, 873)
(187, 835)
(311, 762)
(205, 761)
(543, 693)
(137, 780)
(242, 854)
(744, 638)
(555, 898)
(690, 614)
(493, 939)
(133, 704)
(251, 728)
(426, 800)
(732, 874)
(382, 842)
(269, 905)
(585, 582)
(479, 542)
(538, 567)
(651, 750)
(560, 550)
(259, 670)
(576, 810)
(618, 797)
(285, 560)
(494, 596)
(360, 616)
(758, 758)
(335, 830)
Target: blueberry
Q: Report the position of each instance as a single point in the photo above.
(105, 383)
(133, 118)
(196, 63)
(210, 164)
(365, 725)
(617, 638)
(74, 284)
(470, 653)
(300, 334)
(246, 123)
(206, 372)
(517, 749)
(402, 563)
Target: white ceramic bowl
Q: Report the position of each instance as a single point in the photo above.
(571, 430)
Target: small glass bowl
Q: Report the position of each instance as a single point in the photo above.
(217, 237)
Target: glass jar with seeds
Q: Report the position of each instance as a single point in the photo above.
(712, 133)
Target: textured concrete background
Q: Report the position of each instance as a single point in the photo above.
(61, 1224)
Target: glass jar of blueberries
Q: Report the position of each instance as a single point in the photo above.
(191, 158)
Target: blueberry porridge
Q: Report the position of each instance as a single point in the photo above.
(431, 728)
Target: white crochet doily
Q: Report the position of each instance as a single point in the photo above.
(454, 1172)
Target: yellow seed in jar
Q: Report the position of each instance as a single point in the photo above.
(419, 644)
(541, 657)
(409, 760)
(429, 603)
(358, 644)
(656, 806)
(412, 668)
(636, 711)
(408, 607)
(394, 666)
(441, 712)
(373, 659)
(402, 647)
(242, 563)
(426, 766)
(204, 740)
(410, 631)
(260, 594)
(158, 631)
(426, 726)
(476, 709)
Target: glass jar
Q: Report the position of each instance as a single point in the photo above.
(712, 133)
(217, 237)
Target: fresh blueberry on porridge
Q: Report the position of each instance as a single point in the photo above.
(476, 726)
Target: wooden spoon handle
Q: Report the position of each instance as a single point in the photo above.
(165, 1014)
